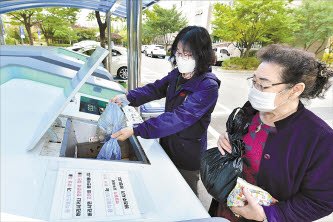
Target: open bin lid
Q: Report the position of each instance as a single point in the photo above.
(29, 108)
(53, 55)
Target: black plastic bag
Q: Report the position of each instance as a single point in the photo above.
(219, 173)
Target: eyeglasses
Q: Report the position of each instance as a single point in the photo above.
(261, 86)
(184, 55)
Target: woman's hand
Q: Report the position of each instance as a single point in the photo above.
(118, 99)
(223, 144)
(252, 210)
(123, 134)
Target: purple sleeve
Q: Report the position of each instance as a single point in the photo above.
(315, 197)
(149, 92)
(185, 115)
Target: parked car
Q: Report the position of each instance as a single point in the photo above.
(221, 54)
(86, 43)
(119, 59)
(74, 48)
(119, 62)
(143, 48)
(155, 51)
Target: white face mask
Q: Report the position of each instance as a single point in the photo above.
(263, 101)
(185, 65)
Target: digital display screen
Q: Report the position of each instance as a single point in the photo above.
(92, 106)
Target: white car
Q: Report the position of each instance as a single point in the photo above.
(119, 62)
(155, 51)
(119, 59)
(143, 48)
(86, 43)
(221, 54)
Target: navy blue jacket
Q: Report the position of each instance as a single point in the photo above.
(183, 126)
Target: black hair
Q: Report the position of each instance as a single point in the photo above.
(197, 40)
(299, 66)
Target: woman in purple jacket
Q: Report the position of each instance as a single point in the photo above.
(191, 92)
(289, 150)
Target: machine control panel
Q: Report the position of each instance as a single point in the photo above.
(92, 106)
(95, 106)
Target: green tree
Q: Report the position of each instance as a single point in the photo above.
(57, 23)
(163, 22)
(102, 25)
(84, 33)
(254, 21)
(123, 34)
(316, 24)
(147, 34)
(26, 17)
(65, 35)
(13, 36)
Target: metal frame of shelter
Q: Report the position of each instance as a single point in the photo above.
(129, 9)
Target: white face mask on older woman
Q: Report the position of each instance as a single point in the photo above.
(263, 101)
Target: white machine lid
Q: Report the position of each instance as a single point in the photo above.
(29, 108)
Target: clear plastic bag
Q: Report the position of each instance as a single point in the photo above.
(112, 120)
(236, 197)
(124, 101)
(110, 150)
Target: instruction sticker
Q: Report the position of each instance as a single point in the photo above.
(95, 194)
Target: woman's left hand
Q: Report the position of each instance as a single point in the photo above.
(123, 134)
(251, 211)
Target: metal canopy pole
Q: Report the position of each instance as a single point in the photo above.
(134, 15)
(108, 22)
(2, 34)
